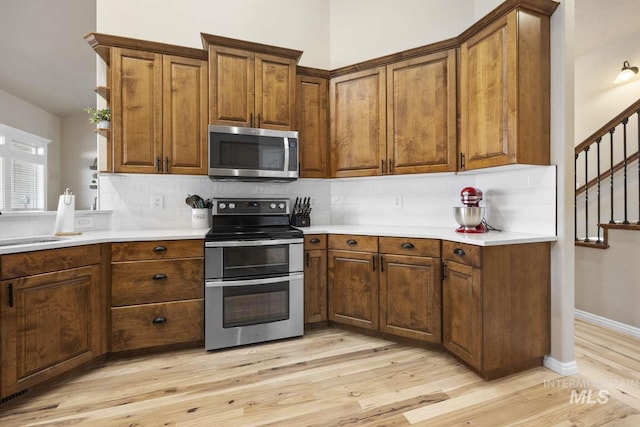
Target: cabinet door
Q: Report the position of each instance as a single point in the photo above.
(353, 288)
(358, 123)
(185, 115)
(410, 297)
(312, 125)
(231, 86)
(315, 286)
(462, 313)
(488, 76)
(421, 114)
(275, 92)
(137, 111)
(47, 325)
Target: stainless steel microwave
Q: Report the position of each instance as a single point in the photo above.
(252, 153)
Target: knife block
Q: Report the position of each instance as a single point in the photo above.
(301, 220)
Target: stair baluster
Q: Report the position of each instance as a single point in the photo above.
(586, 194)
(598, 141)
(611, 171)
(624, 167)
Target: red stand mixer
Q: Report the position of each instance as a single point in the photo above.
(471, 215)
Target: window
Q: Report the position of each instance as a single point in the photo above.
(23, 168)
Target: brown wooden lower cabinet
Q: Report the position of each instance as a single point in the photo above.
(157, 290)
(353, 280)
(496, 305)
(50, 322)
(151, 325)
(410, 297)
(315, 278)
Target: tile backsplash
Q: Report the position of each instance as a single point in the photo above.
(517, 198)
(130, 197)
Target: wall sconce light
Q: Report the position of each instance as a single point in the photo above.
(627, 73)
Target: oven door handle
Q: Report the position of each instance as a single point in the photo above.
(253, 282)
(239, 243)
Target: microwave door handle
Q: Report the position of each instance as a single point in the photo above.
(241, 243)
(253, 282)
(286, 155)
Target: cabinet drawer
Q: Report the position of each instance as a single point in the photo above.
(133, 327)
(358, 243)
(315, 241)
(462, 253)
(135, 251)
(46, 261)
(142, 282)
(413, 247)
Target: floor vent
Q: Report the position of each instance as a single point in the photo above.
(13, 396)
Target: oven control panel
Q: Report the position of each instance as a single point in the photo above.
(251, 207)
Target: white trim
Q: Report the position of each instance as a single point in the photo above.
(607, 323)
(563, 368)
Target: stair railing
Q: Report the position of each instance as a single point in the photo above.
(605, 135)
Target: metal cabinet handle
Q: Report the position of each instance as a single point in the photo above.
(166, 165)
(390, 168)
(159, 276)
(314, 240)
(251, 120)
(10, 292)
(373, 262)
(459, 252)
(159, 249)
(444, 271)
(307, 260)
(158, 164)
(159, 320)
(381, 264)
(352, 242)
(382, 166)
(407, 245)
(462, 165)
(258, 120)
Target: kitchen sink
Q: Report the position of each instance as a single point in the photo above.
(29, 240)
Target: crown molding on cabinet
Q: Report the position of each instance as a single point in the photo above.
(208, 39)
(102, 43)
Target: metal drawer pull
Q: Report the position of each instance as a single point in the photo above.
(459, 252)
(314, 240)
(159, 249)
(407, 245)
(159, 320)
(351, 242)
(159, 276)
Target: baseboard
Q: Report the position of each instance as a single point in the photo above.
(607, 323)
(563, 368)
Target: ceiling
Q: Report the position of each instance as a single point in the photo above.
(46, 62)
(43, 58)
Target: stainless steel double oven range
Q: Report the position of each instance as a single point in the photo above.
(254, 287)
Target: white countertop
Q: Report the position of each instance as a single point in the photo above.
(492, 238)
(91, 237)
(486, 239)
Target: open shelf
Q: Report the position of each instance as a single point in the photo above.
(104, 92)
(103, 132)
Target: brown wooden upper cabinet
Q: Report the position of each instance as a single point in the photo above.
(504, 92)
(397, 119)
(313, 126)
(159, 113)
(250, 84)
(158, 98)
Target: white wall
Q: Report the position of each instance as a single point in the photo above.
(607, 282)
(78, 151)
(366, 29)
(21, 115)
(294, 24)
(598, 100)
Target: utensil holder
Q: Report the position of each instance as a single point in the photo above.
(200, 218)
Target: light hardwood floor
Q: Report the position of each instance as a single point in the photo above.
(336, 378)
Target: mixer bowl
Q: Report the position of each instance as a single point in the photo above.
(468, 217)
